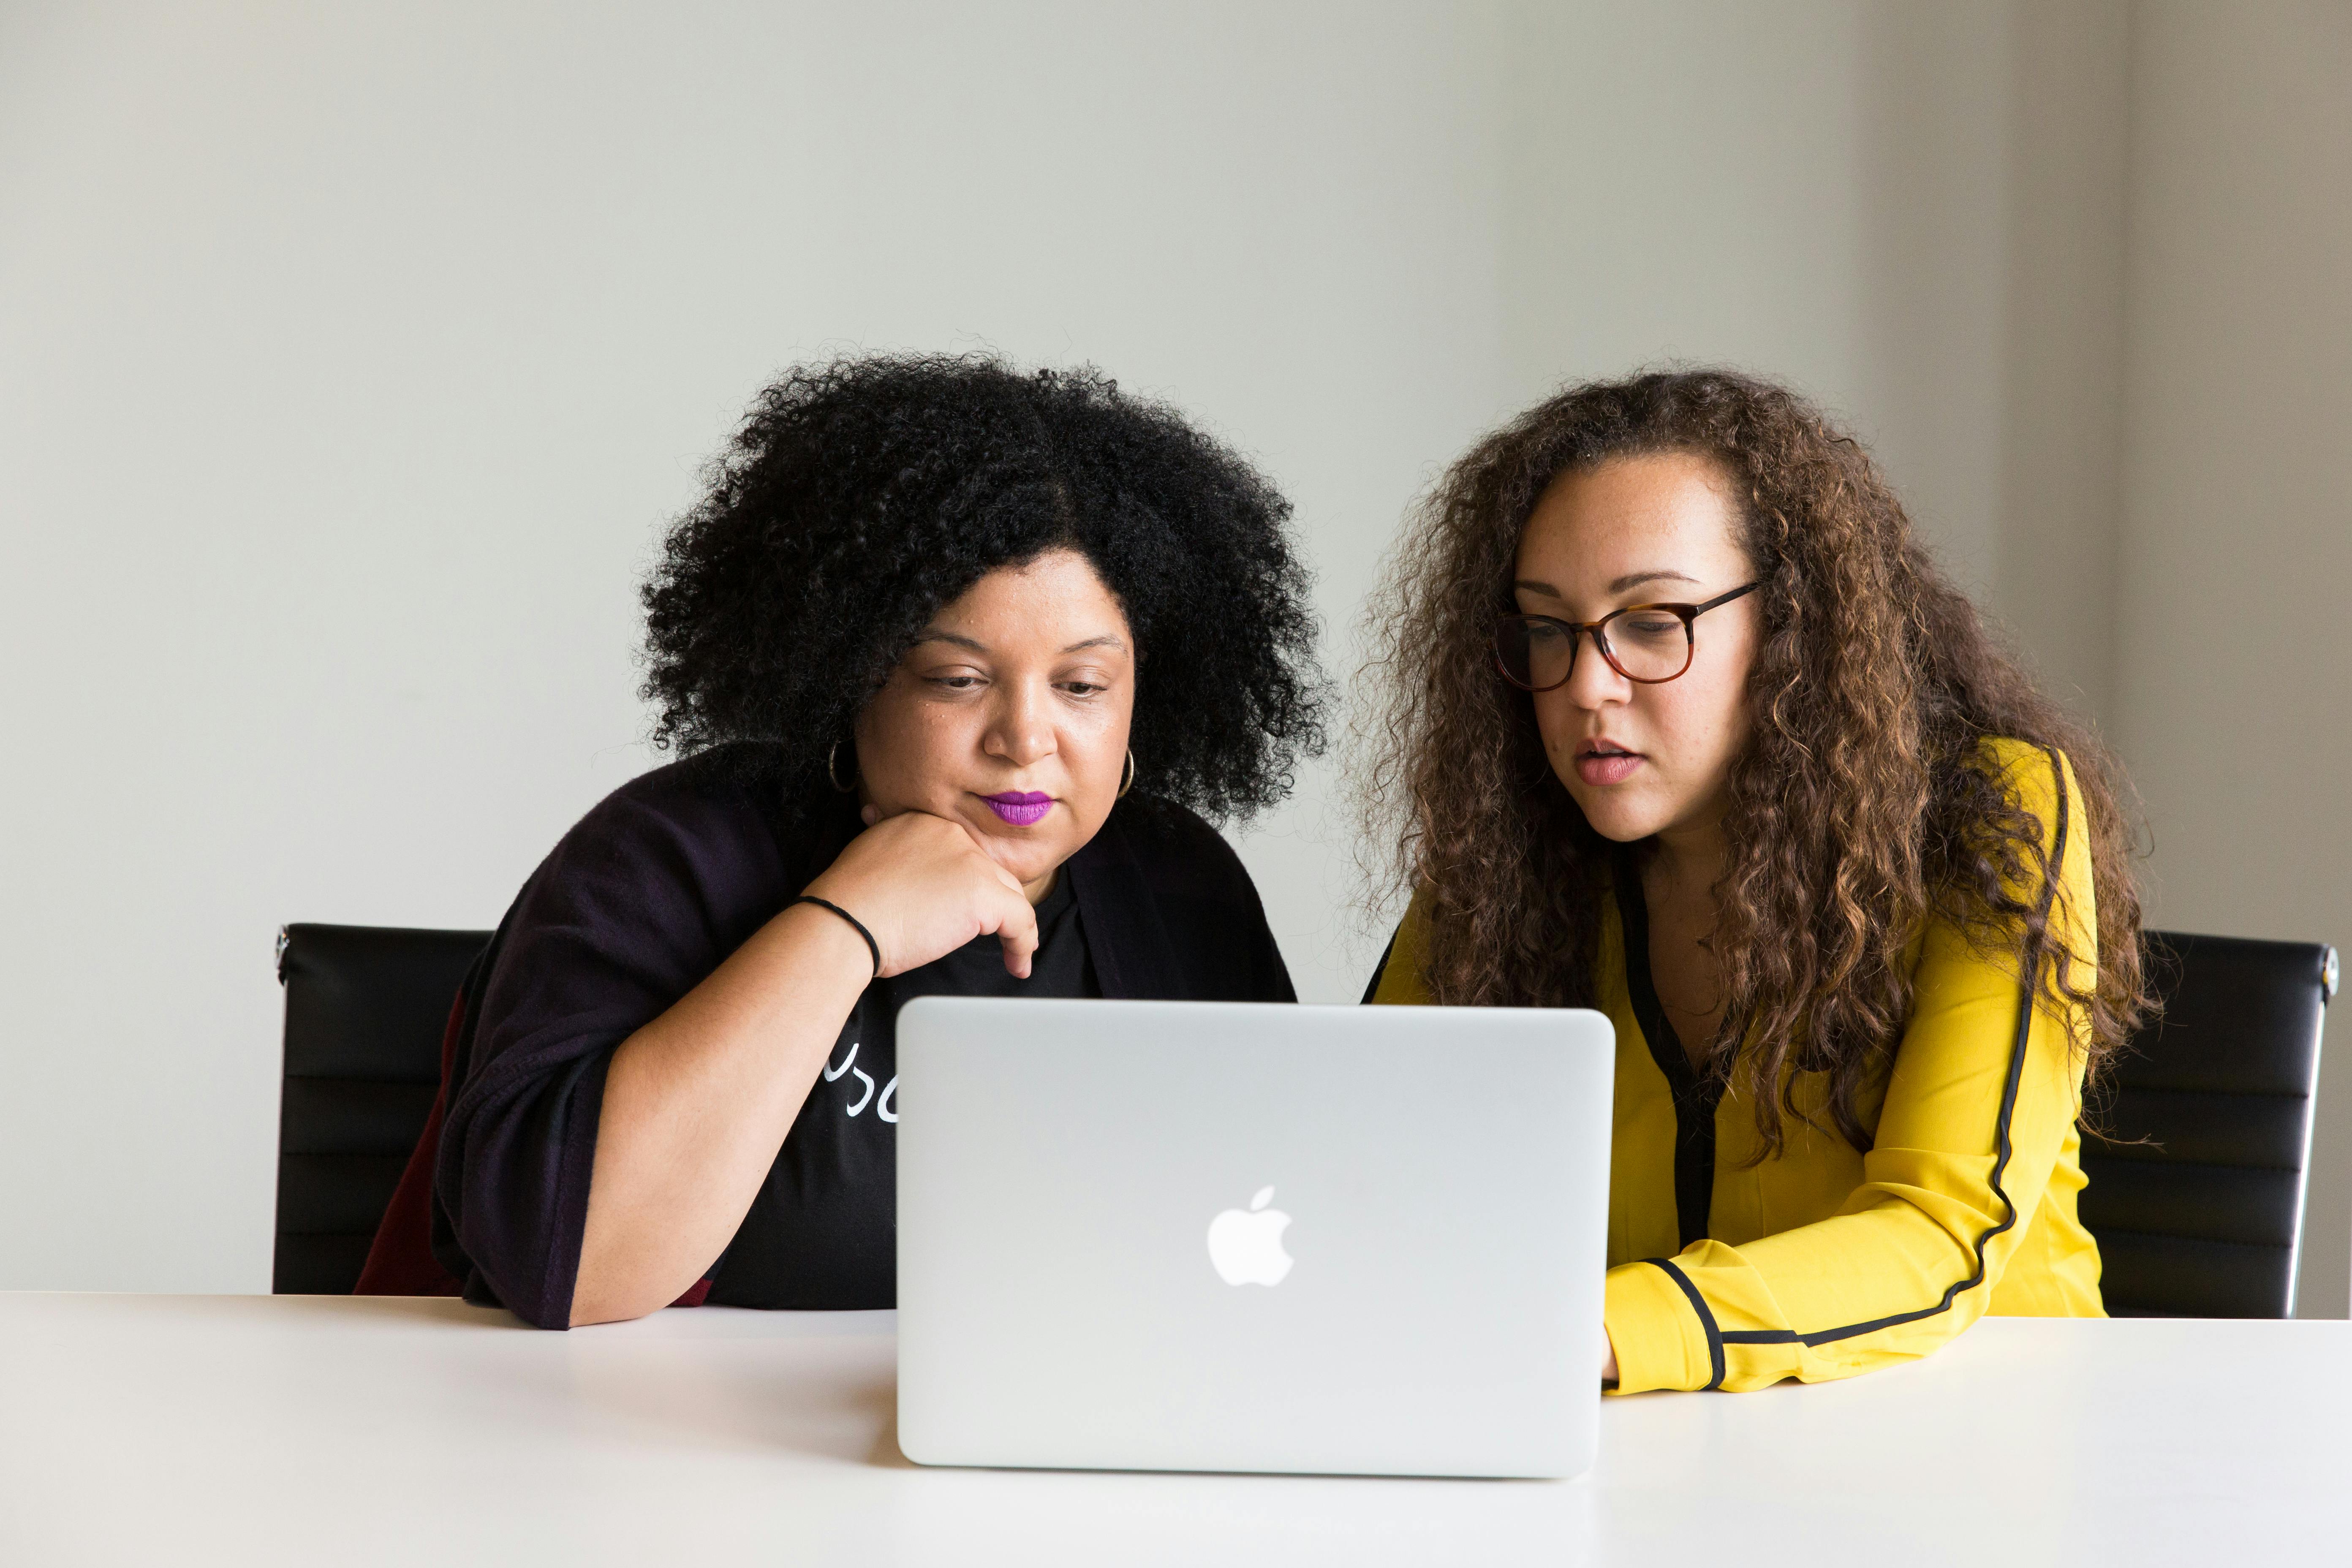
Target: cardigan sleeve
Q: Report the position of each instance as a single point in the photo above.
(1978, 1103)
(639, 902)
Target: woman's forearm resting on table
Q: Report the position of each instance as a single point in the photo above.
(697, 1104)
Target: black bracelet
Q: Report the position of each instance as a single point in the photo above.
(854, 924)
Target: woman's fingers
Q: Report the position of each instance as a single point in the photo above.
(1019, 934)
(925, 886)
(1017, 925)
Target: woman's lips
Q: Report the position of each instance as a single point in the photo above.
(1021, 808)
(1607, 766)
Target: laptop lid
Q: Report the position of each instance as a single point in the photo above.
(1251, 1236)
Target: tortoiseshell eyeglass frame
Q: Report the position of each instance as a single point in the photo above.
(1687, 613)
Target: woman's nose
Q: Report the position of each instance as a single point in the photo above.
(1592, 680)
(1022, 729)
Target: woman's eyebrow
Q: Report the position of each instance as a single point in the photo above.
(1631, 580)
(1635, 579)
(933, 634)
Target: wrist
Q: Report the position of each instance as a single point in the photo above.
(845, 938)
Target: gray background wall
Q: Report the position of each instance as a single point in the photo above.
(349, 365)
(2232, 644)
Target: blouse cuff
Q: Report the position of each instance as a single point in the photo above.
(1657, 1336)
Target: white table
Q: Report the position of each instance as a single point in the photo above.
(155, 1429)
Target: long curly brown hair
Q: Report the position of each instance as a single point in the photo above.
(1853, 813)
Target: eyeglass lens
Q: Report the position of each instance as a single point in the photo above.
(1643, 644)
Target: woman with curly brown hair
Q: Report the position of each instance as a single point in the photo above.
(1685, 725)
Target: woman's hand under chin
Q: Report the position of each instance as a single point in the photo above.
(924, 887)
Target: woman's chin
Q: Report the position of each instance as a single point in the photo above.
(1030, 861)
(1612, 814)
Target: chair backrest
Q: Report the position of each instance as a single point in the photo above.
(2196, 1190)
(365, 1008)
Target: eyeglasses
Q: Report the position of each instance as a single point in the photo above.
(1649, 643)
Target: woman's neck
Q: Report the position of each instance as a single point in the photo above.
(1688, 861)
(1678, 886)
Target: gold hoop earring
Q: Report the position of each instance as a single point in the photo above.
(833, 777)
(1126, 779)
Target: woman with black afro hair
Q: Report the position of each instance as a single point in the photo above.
(961, 663)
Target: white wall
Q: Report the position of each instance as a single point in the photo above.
(2234, 644)
(351, 363)
(1914, 212)
(354, 357)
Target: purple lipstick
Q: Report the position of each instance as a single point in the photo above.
(1021, 808)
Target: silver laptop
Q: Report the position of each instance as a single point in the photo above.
(1244, 1236)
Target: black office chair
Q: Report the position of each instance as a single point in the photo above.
(366, 1007)
(2196, 1190)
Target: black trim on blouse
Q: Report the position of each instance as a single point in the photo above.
(1715, 1335)
(1696, 1094)
(1372, 986)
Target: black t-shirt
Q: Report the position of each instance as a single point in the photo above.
(649, 893)
(832, 1193)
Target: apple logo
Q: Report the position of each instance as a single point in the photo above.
(1246, 1247)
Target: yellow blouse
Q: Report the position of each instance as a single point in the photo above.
(1825, 1262)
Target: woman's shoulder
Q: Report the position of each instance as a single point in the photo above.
(1399, 978)
(705, 797)
(2039, 779)
(739, 781)
(707, 830)
(2029, 765)
(649, 889)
